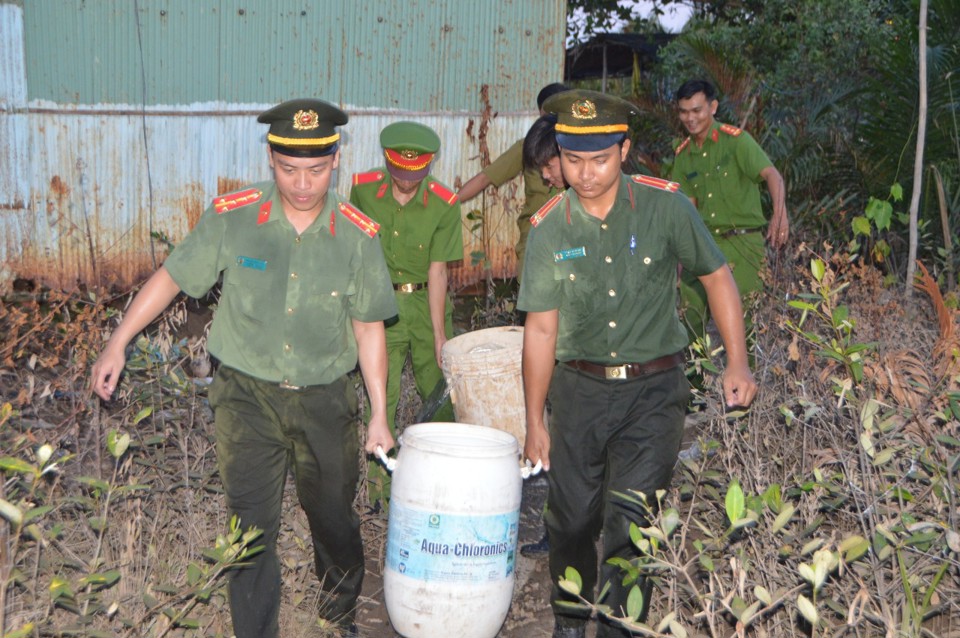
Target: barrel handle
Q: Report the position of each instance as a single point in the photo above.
(389, 463)
(529, 469)
(526, 471)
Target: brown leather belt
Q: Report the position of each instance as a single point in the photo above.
(409, 287)
(628, 370)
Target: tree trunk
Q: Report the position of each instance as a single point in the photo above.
(918, 160)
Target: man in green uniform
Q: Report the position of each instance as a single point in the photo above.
(540, 153)
(420, 233)
(305, 292)
(718, 167)
(603, 338)
(509, 165)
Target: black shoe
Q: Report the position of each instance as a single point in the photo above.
(540, 548)
(560, 631)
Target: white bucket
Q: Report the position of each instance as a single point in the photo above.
(483, 371)
(452, 531)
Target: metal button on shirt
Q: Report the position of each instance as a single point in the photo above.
(622, 308)
(423, 230)
(284, 313)
(723, 176)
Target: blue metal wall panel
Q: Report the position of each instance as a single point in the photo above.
(14, 172)
(417, 55)
(117, 123)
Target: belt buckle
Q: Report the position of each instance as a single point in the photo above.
(288, 386)
(615, 372)
(407, 288)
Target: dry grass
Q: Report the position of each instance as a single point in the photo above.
(804, 434)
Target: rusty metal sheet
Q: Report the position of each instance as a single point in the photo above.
(108, 191)
(92, 192)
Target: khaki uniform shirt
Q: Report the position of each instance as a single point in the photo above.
(287, 300)
(615, 281)
(722, 176)
(426, 229)
(536, 192)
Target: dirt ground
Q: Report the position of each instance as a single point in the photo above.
(529, 615)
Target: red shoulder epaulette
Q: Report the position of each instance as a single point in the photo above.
(731, 130)
(442, 192)
(359, 220)
(264, 215)
(366, 178)
(230, 201)
(684, 144)
(656, 182)
(538, 216)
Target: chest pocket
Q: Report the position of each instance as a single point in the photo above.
(649, 267)
(415, 242)
(726, 174)
(579, 286)
(249, 286)
(330, 298)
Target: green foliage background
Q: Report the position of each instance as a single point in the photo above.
(830, 89)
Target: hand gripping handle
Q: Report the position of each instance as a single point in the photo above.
(526, 471)
(389, 463)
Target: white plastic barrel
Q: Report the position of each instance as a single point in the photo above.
(452, 531)
(483, 372)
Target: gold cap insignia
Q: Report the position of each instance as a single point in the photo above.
(306, 120)
(409, 154)
(584, 110)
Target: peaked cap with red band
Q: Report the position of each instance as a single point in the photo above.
(409, 148)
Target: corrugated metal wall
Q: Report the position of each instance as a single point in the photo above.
(122, 119)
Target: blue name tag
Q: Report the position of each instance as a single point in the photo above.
(570, 253)
(250, 262)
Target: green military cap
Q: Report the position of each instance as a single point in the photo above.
(304, 127)
(589, 121)
(409, 148)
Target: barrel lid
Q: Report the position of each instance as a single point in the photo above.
(489, 343)
(460, 440)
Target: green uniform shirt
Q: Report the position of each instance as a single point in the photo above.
(424, 230)
(723, 176)
(287, 300)
(536, 192)
(615, 281)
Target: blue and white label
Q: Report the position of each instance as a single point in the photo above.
(433, 546)
(250, 262)
(570, 253)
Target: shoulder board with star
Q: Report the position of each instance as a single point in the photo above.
(367, 178)
(729, 129)
(361, 221)
(442, 192)
(231, 201)
(684, 144)
(656, 182)
(538, 216)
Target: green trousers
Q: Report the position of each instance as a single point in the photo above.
(606, 436)
(746, 255)
(411, 335)
(262, 431)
